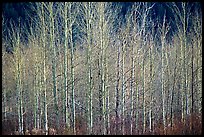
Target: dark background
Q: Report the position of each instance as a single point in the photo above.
(24, 10)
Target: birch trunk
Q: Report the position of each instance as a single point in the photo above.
(117, 91)
(164, 32)
(42, 17)
(123, 89)
(67, 121)
(18, 78)
(53, 48)
(72, 79)
(89, 7)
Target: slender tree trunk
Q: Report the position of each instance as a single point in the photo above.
(143, 92)
(192, 90)
(108, 104)
(132, 89)
(137, 100)
(123, 89)
(36, 90)
(52, 42)
(88, 7)
(4, 89)
(163, 92)
(44, 69)
(66, 105)
(19, 61)
(151, 78)
(117, 92)
(163, 40)
(100, 93)
(173, 89)
(168, 83)
(72, 79)
(184, 86)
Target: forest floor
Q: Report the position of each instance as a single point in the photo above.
(192, 126)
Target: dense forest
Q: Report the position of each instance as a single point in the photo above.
(100, 68)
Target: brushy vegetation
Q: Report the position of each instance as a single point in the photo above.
(178, 128)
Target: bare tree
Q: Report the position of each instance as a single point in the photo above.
(19, 63)
(163, 37)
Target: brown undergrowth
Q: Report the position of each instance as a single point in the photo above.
(191, 125)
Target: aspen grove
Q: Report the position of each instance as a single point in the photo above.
(83, 68)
